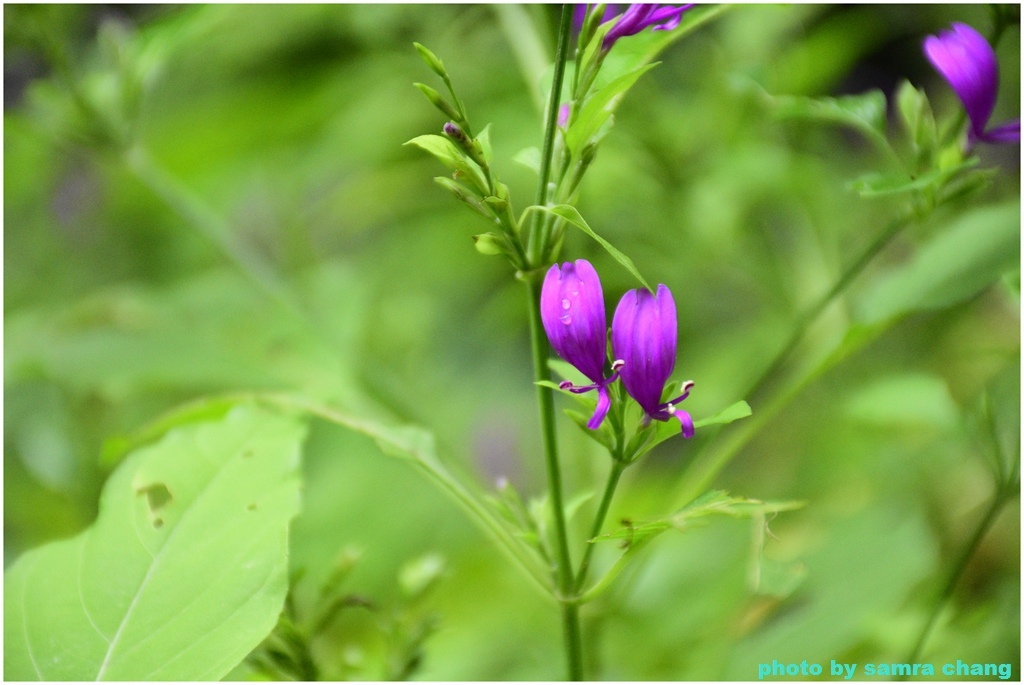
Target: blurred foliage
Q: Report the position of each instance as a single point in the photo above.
(281, 238)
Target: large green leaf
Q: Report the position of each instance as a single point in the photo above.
(184, 571)
(959, 262)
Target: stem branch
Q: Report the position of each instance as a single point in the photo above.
(602, 512)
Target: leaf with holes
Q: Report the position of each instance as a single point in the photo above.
(184, 571)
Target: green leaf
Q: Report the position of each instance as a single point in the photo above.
(449, 154)
(905, 399)
(664, 430)
(713, 503)
(865, 112)
(570, 214)
(431, 60)
(959, 262)
(734, 412)
(917, 116)
(603, 434)
(878, 184)
(184, 571)
(632, 52)
(484, 138)
(599, 107)
(529, 157)
(438, 101)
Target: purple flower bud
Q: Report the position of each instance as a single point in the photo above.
(572, 311)
(563, 115)
(642, 16)
(644, 336)
(968, 62)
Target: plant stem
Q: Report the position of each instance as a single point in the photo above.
(602, 512)
(838, 288)
(1001, 497)
(538, 239)
(211, 226)
(545, 400)
(536, 248)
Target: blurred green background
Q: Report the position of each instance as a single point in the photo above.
(281, 127)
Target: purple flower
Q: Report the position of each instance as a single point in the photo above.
(967, 61)
(641, 16)
(644, 336)
(572, 311)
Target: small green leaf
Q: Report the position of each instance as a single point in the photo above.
(733, 412)
(599, 107)
(919, 121)
(449, 154)
(603, 434)
(529, 157)
(715, 502)
(184, 571)
(570, 214)
(567, 371)
(416, 577)
(865, 112)
(492, 244)
(956, 264)
(438, 101)
(484, 139)
(878, 184)
(660, 431)
(431, 60)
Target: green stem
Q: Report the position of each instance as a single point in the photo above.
(536, 248)
(538, 240)
(206, 221)
(1001, 497)
(602, 512)
(838, 288)
(428, 464)
(545, 400)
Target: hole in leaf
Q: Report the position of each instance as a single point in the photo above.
(157, 496)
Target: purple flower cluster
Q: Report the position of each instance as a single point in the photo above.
(644, 337)
(968, 62)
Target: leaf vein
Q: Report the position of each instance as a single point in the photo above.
(156, 562)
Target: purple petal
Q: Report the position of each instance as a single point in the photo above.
(668, 17)
(572, 311)
(644, 336)
(686, 421)
(967, 61)
(1005, 133)
(579, 13)
(604, 403)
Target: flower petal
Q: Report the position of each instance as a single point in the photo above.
(644, 336)
(604, 403)
(967, 61)
(572, 311)
(686, 420)
(1004, 133)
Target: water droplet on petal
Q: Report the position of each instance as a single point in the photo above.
(566, 319)
(565, 304)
